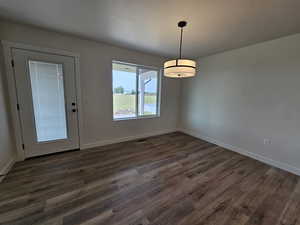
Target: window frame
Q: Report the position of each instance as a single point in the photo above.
(158, 88)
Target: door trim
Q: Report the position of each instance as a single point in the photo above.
(12, 91)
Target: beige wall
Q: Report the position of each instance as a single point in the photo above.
(244, 96)
(96, 82)
(7, 149)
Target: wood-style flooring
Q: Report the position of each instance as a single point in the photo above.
(172, 179)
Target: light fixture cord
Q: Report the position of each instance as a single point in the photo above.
(180, 42)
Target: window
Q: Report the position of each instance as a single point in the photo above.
(135, 91)
(47, 86)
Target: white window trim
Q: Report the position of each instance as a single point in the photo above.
(137, 81)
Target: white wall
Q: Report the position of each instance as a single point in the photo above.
(96, 82)
(238, 99)
(7, 149)
(243, 96)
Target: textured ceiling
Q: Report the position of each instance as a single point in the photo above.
(151, 25)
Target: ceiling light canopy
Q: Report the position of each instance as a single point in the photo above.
(180, 68)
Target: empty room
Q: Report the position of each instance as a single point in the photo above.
(150, 112)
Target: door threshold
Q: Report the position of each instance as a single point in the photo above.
(52, 154)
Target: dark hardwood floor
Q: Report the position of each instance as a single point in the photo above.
(171, 179)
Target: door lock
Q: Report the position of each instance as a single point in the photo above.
(74, 104)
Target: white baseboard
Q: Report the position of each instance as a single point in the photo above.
(123, 139)
(269, 161)
(6, 169)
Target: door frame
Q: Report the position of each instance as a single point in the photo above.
(12, 90)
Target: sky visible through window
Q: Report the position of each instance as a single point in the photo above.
(134, 96)
(128, 81)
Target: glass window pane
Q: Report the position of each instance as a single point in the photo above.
(147, 92)
(124, 91)
(47, 86)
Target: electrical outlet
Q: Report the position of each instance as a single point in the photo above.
(267, 141)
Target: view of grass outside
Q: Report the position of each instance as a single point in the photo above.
(125, 104)
(135, 91)
(150, 104)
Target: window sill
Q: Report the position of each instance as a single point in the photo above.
(137, 118)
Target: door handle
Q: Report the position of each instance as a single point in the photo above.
(74, 110)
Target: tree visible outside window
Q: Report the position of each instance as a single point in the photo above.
(135, 91)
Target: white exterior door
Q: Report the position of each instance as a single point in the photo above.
(46, 92)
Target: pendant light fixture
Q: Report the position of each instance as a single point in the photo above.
(180, 68)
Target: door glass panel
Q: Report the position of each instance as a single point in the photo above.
(148, 92)
(47, 85)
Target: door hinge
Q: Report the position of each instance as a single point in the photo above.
(12, 63)
(23, 146)
(18, 107)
